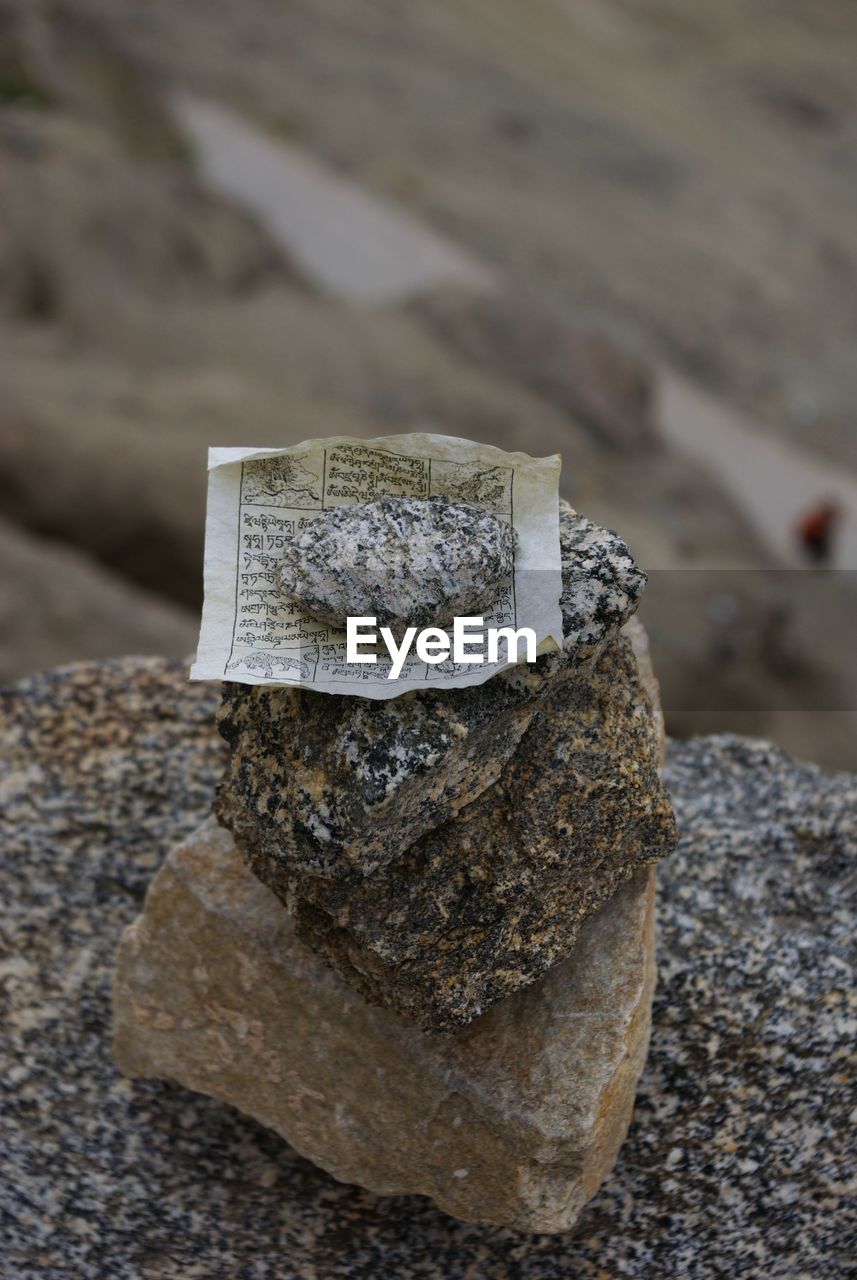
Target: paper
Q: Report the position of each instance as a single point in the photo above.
(260, 498)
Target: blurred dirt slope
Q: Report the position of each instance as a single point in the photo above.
(57, 606)
(676, 171)
(591, 153)
(145, 321)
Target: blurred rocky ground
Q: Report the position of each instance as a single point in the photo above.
(667, 183)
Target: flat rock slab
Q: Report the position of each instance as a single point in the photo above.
(514, 1121)
(739, 1155)
(407, 562)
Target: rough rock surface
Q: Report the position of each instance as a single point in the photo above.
(409, 562)
(515, 1121)
(334, 783)
(337, 784)
(739, 1155)
(485, 903)
(601, 582)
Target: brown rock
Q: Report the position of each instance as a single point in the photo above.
(513, 1121)
(488, 901)
(636, 633)
(336, 786)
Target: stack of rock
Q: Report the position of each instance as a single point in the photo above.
(418, 939)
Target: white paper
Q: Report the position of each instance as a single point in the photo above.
(260, 498)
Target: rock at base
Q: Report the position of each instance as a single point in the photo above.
(513, 1121)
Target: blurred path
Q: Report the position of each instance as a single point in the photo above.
(347, 241)
(772, 482)
(360, 247)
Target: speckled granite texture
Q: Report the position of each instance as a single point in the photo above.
(442, 850)
(601, 582)
(333, 783)
(738, 1158)
(484, 904)
(409, 562)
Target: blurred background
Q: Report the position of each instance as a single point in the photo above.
(624, 230)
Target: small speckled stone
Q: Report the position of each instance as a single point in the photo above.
(409, 562)
(487, 902)
(601, 581)
(328, 784)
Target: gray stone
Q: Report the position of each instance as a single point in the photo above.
(408, 562)
(601, 582)
(333, 784)
(515, 1121)
(339, 785)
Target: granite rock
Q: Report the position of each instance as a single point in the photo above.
(515, 1121)
(332, 784)
(336, 785)
(408, 562)
(739, 1158)
(601, 582)
(484, 904)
